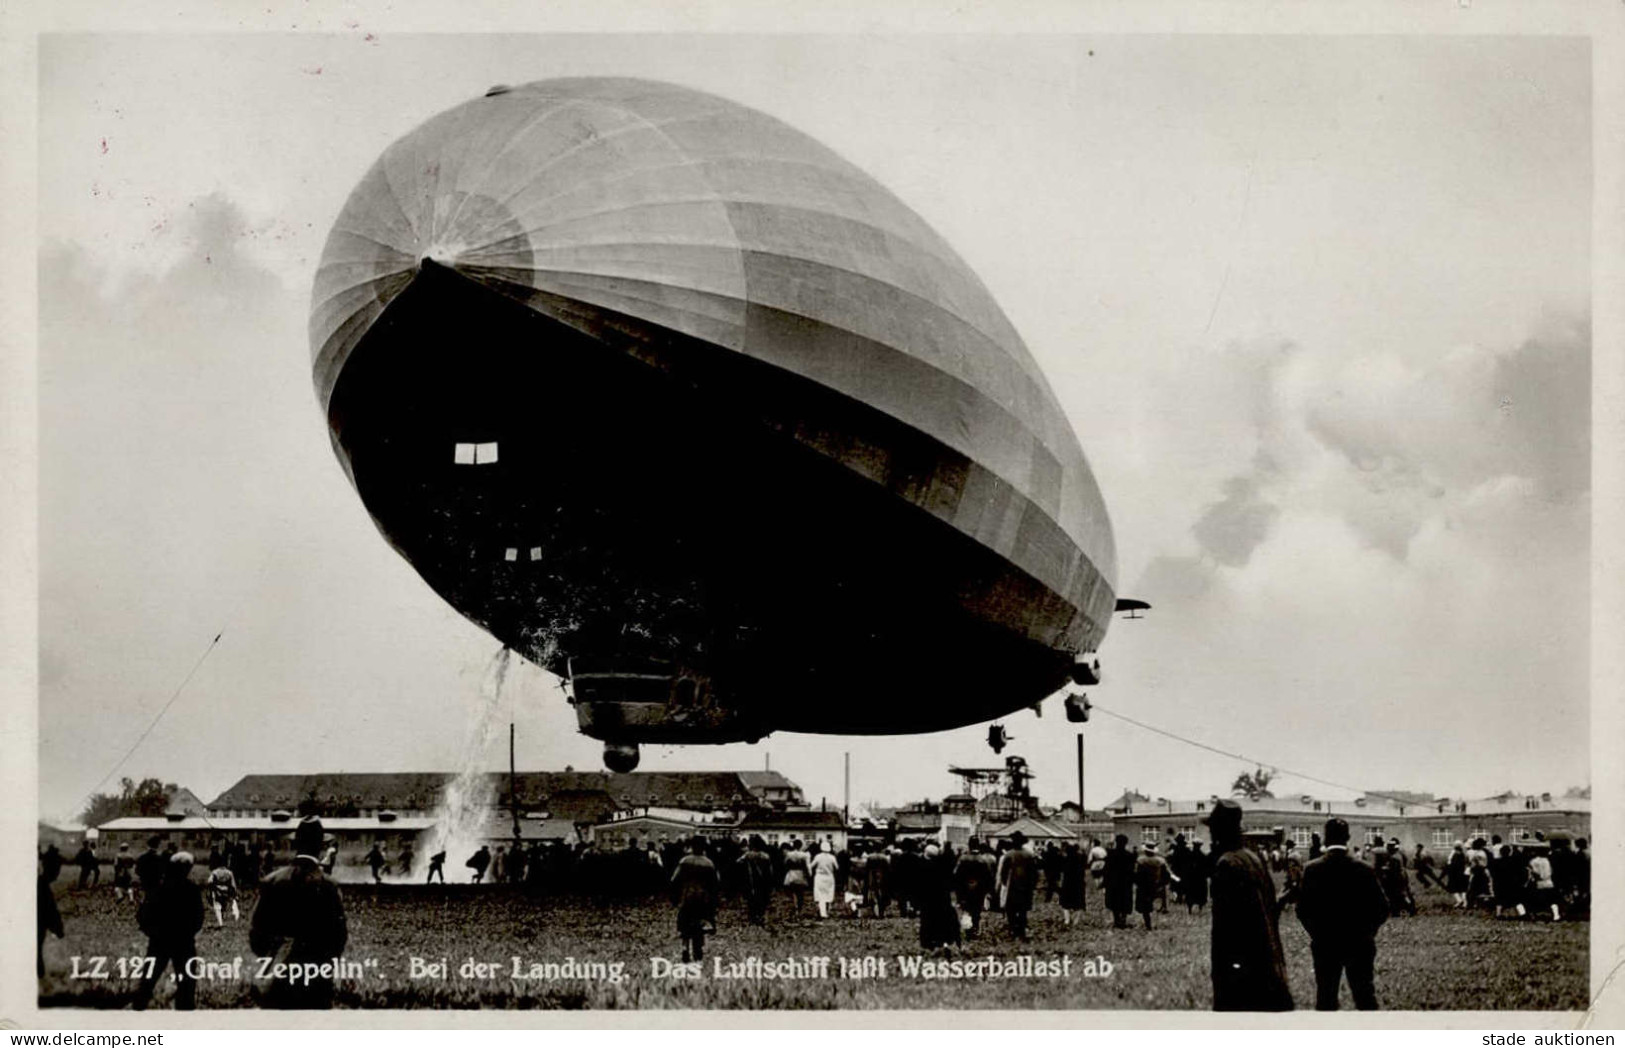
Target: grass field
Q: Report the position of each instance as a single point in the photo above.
(1438, 960)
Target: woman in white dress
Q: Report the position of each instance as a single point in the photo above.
(823, 868)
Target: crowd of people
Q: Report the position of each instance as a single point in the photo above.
(1342, 894)
(298, 919)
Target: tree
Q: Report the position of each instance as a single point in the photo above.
(149, 797)
(1253, 785)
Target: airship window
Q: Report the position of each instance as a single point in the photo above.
(536, 553)
(485, 454)
(510, 554)
(463, 455)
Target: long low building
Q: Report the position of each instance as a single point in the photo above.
(587, 795)
(1435, 824)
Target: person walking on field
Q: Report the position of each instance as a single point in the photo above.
(149, 868)
(797, 872)
(1396, 884)
(124, 874)
(90, 865)
(223, 890)
(934, 887)
(1508, 881)
(1151, 877)
(1249, 968)
(1341, 906)
(47, 918)
(1480, 892)
(171, 915)
(973, 880)
(375, 859)
(756, 874)
(1544, 891)
(1074, 882)
(823, 867)
(478, 863)
(1119, 877)
(437, 864)
(298, 921)
(1456, 878)
(695, 884)
(1426, 868)
(1197, 868)
(1018, 883)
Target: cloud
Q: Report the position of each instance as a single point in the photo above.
(1389, 446)
(1231, 529)
(1392, 551)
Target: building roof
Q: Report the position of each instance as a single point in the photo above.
(541, 790)
(1034, 830)
(1368, 806)
(792, 820)
(915, 821)
(261, 823)
(185, 802)
(1128, 800)
(766, 780)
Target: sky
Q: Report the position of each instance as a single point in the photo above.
(1318, 309)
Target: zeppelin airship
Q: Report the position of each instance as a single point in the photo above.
(679, 404)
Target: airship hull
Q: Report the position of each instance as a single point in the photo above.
(661, 509)
(680, 404)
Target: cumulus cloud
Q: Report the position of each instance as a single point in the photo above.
(1229, 530)
(1384, 541)
(1390, 445)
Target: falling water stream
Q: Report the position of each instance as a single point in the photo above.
(462, 822)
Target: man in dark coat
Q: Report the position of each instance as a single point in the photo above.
(1396, 884)
(1341, 906)
(1074, 881)
(48, 919)
(300, 920)
(695, 884)
(1179, 857)
(149, 867)
(90, 865)
(1197, 868)
(934, 885)
(756, 879)
(973, 879)
(878, 880)
(1249, 970)
(1051, 862)
(1019, 883)
(1151, 877)
(171, 915)
(50, 863)
(1119, 877)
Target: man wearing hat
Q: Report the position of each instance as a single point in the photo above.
(171, 915)
(1249, 969)
(1341, 906)
(300, 920)
(1151, 877)
(1018, 881)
